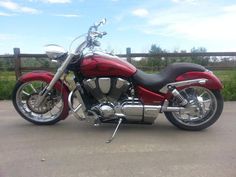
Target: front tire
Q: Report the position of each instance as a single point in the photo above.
(209, 105)
(52, 111)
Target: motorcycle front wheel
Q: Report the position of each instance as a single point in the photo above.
(50, 112)
(204, 108)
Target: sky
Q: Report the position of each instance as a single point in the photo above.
(170, 24)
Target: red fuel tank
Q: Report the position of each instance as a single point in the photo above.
(101, 64)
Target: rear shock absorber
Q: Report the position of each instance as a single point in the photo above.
(180, 98)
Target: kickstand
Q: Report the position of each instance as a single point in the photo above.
(114, 133)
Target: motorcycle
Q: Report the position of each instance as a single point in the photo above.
(110, 90)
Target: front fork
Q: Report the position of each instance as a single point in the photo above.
(57, 76)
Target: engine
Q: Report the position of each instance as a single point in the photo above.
(106, 89)
(114, 98)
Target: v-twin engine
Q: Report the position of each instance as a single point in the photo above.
(114, 100)
(106, 89)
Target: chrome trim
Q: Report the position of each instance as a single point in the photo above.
(151, 113)
(76, 111)
(54, 51)
(133, 112)
(104, 84)
(114, 133)
(121, 82)
(173, 109)
(106, 111)
(56, 77)
(181, 99)
(22, 103)
(200, 110)
(183, 83)
(164, 106)
(138, 112)
(105, 55)
(91, 83)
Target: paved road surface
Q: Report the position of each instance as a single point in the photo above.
(73, 149)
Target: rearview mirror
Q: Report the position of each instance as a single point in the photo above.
(102, 22)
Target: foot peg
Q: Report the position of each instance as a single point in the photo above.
(114, 133)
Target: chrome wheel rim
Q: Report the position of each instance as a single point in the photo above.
(202, 106)
(25, 99)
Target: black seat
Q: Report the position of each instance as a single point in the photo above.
(155, 82)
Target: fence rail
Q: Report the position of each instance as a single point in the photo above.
(19, 69)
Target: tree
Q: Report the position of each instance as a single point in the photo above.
(200, 59)
(153, 61)
(1, 65)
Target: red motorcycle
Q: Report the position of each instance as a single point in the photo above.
(111, 90)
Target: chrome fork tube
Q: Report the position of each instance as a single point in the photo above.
(60, 71)
(56, 77)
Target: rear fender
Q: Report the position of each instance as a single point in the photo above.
(212, 81)
(47, 77)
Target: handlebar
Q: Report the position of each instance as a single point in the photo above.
(98, 34)
(91, 37)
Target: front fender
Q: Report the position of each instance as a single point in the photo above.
(47, 77)
(212, 83)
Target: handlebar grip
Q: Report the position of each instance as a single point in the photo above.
(101, 34)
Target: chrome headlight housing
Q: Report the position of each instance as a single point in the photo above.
(55, 52)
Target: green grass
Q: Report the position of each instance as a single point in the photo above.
(6, 88)
(228, 78)
(7, 82)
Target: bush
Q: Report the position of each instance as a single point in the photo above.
(7, 82)
(6, 87)
(229, 91)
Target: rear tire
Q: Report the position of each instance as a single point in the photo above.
(206, 120)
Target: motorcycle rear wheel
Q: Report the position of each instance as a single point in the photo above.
(24, 97)
(209, 105)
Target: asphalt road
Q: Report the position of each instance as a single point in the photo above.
(72, 148)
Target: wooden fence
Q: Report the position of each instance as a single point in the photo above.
(19, 69)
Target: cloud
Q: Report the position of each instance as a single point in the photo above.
(6, 14)
(52, 1)
(213, 22)
(57, 1)
(212, 26)
(17, 7)
(231, 8)
(141, 12)
(67, 15)
(184, 1)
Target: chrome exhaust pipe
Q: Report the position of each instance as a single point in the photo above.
(173, 109)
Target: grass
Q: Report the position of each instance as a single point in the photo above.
(7, 82)
(228, 78)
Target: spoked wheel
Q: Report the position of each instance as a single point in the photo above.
(25, 95)
(204, 108)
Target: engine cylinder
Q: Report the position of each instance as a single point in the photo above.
(104, 84)
(106, 89)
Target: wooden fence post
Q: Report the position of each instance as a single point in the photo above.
(17, 62)
(128, 54)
